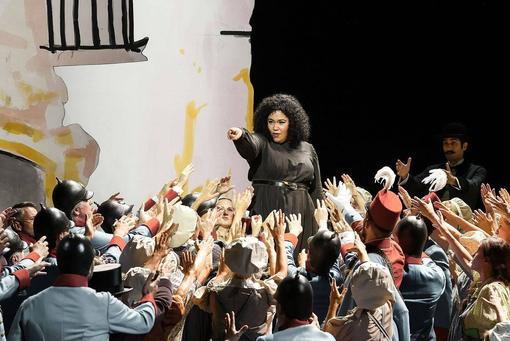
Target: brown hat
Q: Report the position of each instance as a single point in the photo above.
(246, 256)
(385, 209)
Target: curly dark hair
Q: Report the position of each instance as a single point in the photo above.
(299, 125)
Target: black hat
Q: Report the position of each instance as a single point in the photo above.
(69, 193)
(325, 246)
(50, 222)
(189, 199)
(75, 255)
(455, 130)
(206, 205)
(111, 210)
(295, 295)
(108, 277)
(412, 235)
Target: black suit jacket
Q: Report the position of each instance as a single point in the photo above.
(470, 177)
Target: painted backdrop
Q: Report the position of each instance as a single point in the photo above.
(110, 123)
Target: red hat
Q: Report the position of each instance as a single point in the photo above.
(385, 209)
(432, 196)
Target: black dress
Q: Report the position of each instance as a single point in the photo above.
(279, 162)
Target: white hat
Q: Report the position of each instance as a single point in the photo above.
(246, 256)
(372, 286)
(186, 218)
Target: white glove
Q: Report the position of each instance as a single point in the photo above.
(343, 198)
(437, 180)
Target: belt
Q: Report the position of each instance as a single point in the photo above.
(286, 184)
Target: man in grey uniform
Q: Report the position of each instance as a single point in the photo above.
(70, 310)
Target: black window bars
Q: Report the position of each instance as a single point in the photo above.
(126, 17)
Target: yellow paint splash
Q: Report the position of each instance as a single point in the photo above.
(244, 75)
(35, 96)
(181, 161)
(6, 99)
(64, 139)
(18, 128)
(181, 51)
(71, 166)
(48, 166)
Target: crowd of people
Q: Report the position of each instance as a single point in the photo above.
(427, 257)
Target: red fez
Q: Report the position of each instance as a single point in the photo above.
(385, 210)
(432, 196)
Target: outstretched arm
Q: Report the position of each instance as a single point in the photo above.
(248, 145)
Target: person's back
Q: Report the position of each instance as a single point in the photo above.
(421, 288)
(76, 313)
(69, 310)
(424, 281)
(295, 319)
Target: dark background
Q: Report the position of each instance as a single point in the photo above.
(379, 79)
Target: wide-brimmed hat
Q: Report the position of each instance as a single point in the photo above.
(455, 130)
(246, 256)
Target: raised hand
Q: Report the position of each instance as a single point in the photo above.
(243, 201)
(4, 240)
(90, 229)
(225, 184)
(321, 214)
(117, 197)
(404, 195)
(348, 182)
(278, 231)
(41, 247)
(302, 258)
(231, 333)
(37, 268)
(187, 261)
(150, 286)
(484, 221)
(403, 168)
(5, 215)
(426, 209)
(331, 187)
(334, 294)
(183, 177)
(256, 224)
(451, 179)
(503, 193)
(208, 221)
(294, 223)
(123, 225)
(234, 133)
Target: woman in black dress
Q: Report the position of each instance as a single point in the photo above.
(284, 168)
